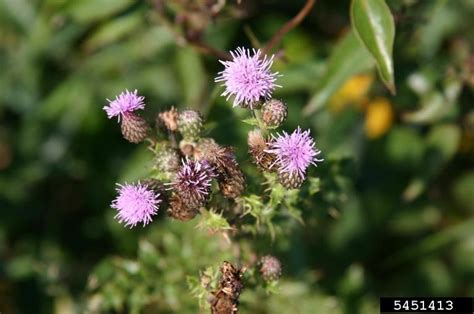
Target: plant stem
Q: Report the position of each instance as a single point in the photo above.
(278, 36)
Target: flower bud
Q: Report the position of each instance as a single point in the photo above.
(274, 112)
(290, 180)
(190, 124)
(167, 161)
(270, 268)
(134, 128)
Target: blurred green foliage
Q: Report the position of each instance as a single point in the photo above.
(389, 212)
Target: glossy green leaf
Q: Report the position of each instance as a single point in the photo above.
(373, 23)
(348, 58)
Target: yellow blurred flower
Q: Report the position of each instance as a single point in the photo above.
(378, 117)
(353, 92)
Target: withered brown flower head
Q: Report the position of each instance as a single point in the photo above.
(169, 118)
(226, 298)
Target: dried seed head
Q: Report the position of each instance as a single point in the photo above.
(230, 176)
(224, 304)
(274, 112)
(169, 119)
(178, 209)
(257, 149)
(134, 128)
(201, 151)
(233, 187)
(226, 298)
(270, 268)
(190, 124)
(187, 147)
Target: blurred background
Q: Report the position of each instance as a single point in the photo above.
(391, 214)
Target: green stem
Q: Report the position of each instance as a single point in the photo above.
(257, 115)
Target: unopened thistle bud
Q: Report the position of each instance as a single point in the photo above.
(274, 112)
(190, 124)
(270, 268)
(257, 149)
(167, 161)
(169, 119)
(178, 209)
(134, 128)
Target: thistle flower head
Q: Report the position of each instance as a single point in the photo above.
(135, 203)
(247, 77)
(294, 152)
(193, 181)
(270, 268)
(124, 104)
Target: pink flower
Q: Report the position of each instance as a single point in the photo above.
(193, 182)
(294, 152)
(135, 204)
(124, 104)
(247, 77)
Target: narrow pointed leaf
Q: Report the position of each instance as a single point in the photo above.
(348, 58)
(373, 23)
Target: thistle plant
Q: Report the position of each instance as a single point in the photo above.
(193, 174)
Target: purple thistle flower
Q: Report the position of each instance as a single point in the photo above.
(135, 203)
(294, 152)
(124, 104)
(193, 181)
(247, 77)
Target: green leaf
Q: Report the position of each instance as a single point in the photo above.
(113, 31)
(192, 75)
(373, 23)
(444, 139)
(213, 222)
(462, 191)
(251, 121)
(87, 11)
(348, 58)
(314, 185)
